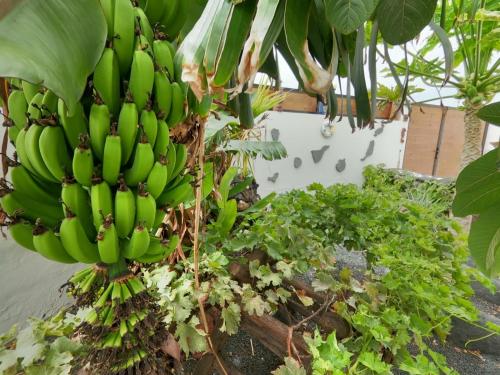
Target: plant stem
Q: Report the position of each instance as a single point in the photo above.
(197, 210)
(472, 138)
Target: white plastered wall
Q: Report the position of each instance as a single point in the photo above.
(301, 133)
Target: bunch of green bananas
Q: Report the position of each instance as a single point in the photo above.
(93, 186)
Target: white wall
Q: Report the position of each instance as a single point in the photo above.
(493, 135)
(301, 133)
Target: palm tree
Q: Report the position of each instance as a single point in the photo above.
(472, 66)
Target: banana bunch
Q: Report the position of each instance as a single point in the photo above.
(92, 186)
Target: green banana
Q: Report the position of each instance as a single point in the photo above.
(101, 201)
(18, 205)
(75, 240)
(158, 177)
(141, 78)
(163, 57)
(124, 33)
(145, 208)
(35, 107)
(180, 160)
(74, 125)
(106, 80)
(30, 90)
(142, 164)
(32, 147)
(99, 127)
(101, 302)
(107, 241)
(142, 43)
(12, 131)
(24, 183)
(154, 10)
(143, 24)
(21, 152)
(49, 103)
(108, 8)
(163, 93)
(112, 157)
(76, 199)
(54, 151)
(149, 123)
(124, 210)
(159, 249)
(159, 217)
(171, 160)
(17, 108)
(162, 140)
(177, 110)
(22, 233)
(175, 196)
(138, 244)
(83, 162)
(49, 245)
(128, 127)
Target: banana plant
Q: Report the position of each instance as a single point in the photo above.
(470, 66)
(233, 40)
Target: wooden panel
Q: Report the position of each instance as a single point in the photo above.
(298, 102)
(452, 143)
(301, 102)
(423, 133)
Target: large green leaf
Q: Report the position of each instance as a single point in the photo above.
(484, 241)
(348, 15)
(490, 113)
(54, 42)
(402, 20)
(478, 186)
(314, 77)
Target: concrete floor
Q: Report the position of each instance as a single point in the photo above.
(29, 284)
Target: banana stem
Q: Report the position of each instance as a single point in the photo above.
(118, 269)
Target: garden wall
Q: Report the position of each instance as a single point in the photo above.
(315, 158)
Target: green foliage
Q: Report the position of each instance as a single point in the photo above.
(41, 348)
(291, 367)
(478, 188)
(57, 42)
(329, 357)
(490, 113)
(416, 279)
(400, 22)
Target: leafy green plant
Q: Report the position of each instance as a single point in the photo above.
(43, 347)
(477, 194)
(424, 281)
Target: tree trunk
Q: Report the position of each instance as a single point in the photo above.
(473, 142)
